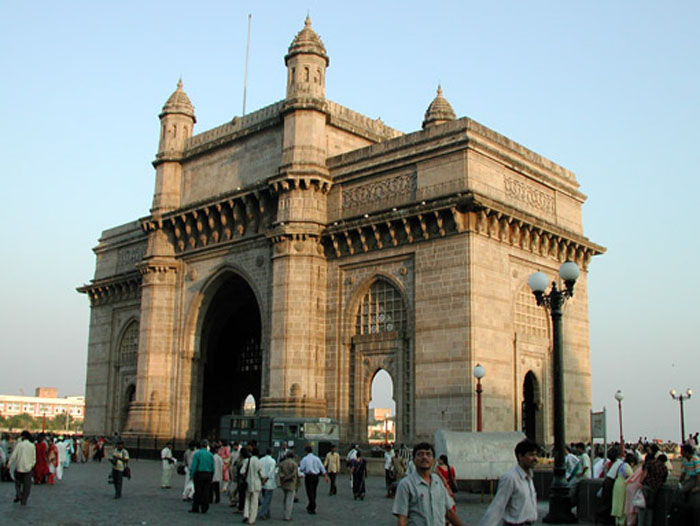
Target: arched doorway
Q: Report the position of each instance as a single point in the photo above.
(530, 407)
(381, 414)
(380, 342)
(231, 365)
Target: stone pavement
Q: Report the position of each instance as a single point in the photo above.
(83, 497)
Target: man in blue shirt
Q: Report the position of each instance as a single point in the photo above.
(311, 466)
(202, 473)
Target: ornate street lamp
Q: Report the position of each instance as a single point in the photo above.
(559, 502)
(619, 397)
(479, 373)
(681, 397)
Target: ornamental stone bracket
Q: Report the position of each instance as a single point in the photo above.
(296, 244)
(227, 220)
(303, 181)
(121, 288)
(452, 216)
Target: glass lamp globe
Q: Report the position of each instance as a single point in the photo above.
(619, 396)
(538, 282)
(479, 372)
(569, 271)
(689, 392)
(673, 393)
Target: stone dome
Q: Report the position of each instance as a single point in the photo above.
(439, 112)
(179, 102)
(308, 42)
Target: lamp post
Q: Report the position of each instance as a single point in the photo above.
(559, 503)
(681, 397)
(479, 373)
(619, 397)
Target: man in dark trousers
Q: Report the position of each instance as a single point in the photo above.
(311, 466)
(21, 463)
(202, 473)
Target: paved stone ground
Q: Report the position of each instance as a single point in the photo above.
(83, 497)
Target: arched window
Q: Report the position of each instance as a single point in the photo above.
(529, 318)
(129, 345)
(381, 310)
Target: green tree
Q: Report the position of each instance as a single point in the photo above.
(20, 422)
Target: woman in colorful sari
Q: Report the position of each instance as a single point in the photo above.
(41, 468)
(359, 474)
(634, 484)
(53, 462)
(225, 454)
(619, 489)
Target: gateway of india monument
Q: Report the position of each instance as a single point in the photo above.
(294, 252)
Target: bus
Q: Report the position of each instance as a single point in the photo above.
(271, 431)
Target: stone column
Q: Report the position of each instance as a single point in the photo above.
(151, 412)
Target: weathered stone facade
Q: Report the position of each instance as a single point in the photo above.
(293, 252)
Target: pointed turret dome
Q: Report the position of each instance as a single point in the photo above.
(179, 102)
(439, 112)
(308, 42)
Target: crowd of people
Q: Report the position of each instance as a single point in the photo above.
(42, 458)
(423, 487)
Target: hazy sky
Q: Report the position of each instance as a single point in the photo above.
(609, 90)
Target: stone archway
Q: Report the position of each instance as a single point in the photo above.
(230, 366)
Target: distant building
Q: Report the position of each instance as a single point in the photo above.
(45, 403)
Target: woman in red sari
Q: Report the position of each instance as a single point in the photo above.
(41, 468)
(448, 477)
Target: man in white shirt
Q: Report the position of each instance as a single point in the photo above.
(168, 462)
(311, 467)
(269, 466)
(21, 463)
(516, 499)
(583, 472)
(218, 476)
(349, 458)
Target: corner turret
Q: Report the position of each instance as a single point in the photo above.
(176, 124)
(439, 112)
(306, 63)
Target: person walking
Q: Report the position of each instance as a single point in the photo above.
(120, 460)
(421, 497)
(388, 473)
(188, 490)
(201, 473)
(168, 462)
(269, 468)
(332, 465)
(311, 468)
(218, 475)
(254, 479)
(516, 499)
(358, 472)
(21, 463)
(289, 475)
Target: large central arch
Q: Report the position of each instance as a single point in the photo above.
(231, 356)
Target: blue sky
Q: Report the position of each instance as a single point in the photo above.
(610, 90)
